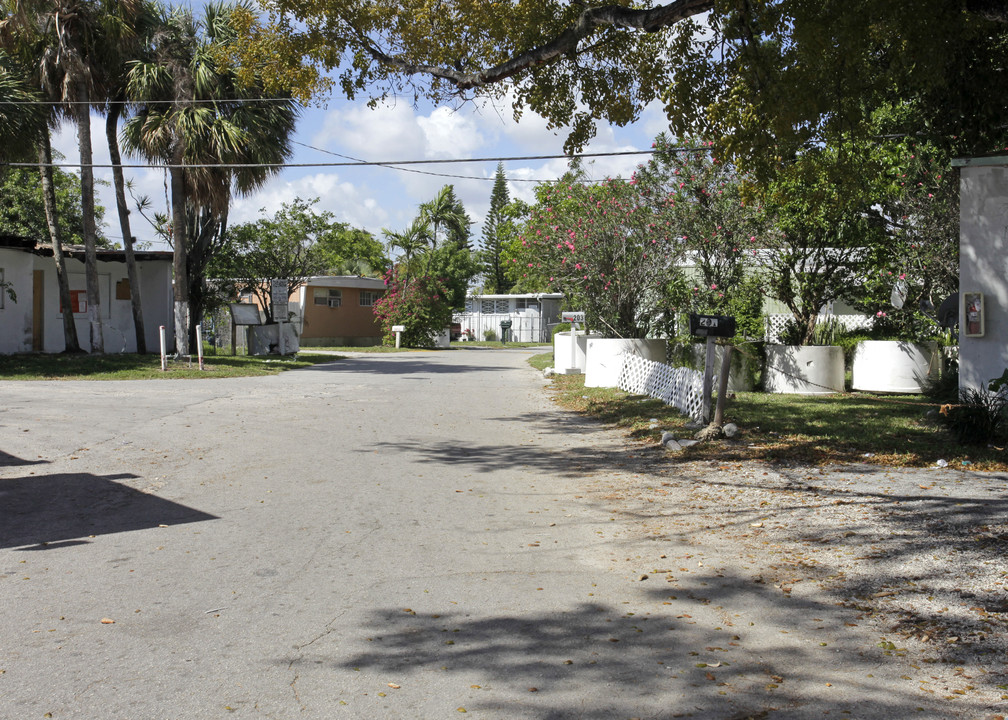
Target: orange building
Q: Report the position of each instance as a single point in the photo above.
(338, 310)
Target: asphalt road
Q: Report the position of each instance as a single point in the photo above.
(390, 536)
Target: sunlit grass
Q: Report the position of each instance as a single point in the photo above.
(147, 367)
(897, 430)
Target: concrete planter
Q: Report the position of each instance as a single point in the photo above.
(265, 339)
(894, 366)
(804, 369)
(567, 360)
(604, 357)
(442, 339)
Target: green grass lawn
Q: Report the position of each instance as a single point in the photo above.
(850, 427)
(147, 367)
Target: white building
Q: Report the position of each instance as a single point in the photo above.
(34, 321)
(983, 269)
(532, 316)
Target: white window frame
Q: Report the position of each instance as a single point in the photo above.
(330, 297)
(371, 296)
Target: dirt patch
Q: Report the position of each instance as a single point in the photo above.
(917, 555)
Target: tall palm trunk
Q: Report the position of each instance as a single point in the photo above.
(88, 213)
(179, 243)
(111, 127)
(49, 202)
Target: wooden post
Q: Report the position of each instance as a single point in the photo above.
(722, 392)
(708, 379)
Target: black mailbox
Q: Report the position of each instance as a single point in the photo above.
(711, 325)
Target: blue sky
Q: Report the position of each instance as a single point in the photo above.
(374, 198)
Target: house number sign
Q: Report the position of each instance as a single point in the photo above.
(712, 325)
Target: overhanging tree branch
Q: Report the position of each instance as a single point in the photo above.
(590, 20)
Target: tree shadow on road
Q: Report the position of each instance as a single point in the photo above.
(600, 661)
(907, 556)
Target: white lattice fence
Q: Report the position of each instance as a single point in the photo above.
(679, 387)
(775, 324)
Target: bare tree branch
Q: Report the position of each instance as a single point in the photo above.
(649, 20)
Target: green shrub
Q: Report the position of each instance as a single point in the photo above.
(978, 418)
(489, 335)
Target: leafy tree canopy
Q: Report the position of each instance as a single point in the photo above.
(763, 78)
(22, 211)
(294, 244)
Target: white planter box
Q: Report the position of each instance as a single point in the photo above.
(604, 357)
(442, 339)
(894, 366)
(265, 339)
(568, 361)
(804, 369)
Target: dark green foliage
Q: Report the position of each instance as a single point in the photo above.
(495, 279)
(979, 418)
(22, 211)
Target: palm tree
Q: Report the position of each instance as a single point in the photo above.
(132, 26)
(446, 211)
(28, 126)
(411, 240)
(70, 34)
(215, 132)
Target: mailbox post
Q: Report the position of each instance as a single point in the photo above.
(712, 327)
(573, 317)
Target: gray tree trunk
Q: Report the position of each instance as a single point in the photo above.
(111, 128)
(88, 212)
(180, 258)
(49, 203)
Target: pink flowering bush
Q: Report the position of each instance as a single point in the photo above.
(422, 305)
(604, 248)
(719, 230)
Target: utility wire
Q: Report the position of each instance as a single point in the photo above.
(421, 172)
(355, 163)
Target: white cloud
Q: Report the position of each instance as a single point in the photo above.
(450, 134)
(348, 202)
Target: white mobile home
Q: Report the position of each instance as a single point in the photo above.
(532, 316)
(32, 322)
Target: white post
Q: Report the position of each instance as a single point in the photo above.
(164, 355)
(573, 332)
(280, 333)
(199, 345)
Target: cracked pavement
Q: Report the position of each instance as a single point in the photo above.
(410, 535)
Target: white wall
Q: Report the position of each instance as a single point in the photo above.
(983, 267)
(116, 315)
(16, 317)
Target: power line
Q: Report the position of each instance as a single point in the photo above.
(354, 163)
(420, 172)
(141, 103)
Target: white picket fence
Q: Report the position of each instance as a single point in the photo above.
(679, 387)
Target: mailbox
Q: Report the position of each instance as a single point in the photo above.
(711, 325)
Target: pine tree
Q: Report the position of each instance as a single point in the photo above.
(493, 268)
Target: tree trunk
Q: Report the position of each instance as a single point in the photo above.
(72, 345)
(111, 127)
(179, 241)
(88, 215)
